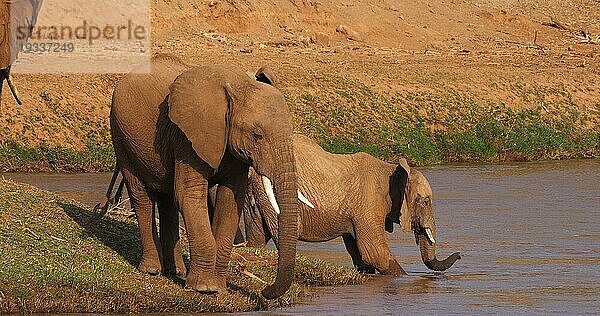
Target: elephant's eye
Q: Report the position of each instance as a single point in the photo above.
(257, 135)
(424, 202)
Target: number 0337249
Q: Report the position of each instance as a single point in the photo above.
(49, 47)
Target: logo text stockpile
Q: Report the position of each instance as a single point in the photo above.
(85, 31)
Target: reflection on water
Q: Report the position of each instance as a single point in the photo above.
(529, 235)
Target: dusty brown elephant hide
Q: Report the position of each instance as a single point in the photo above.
(355, 196)
(178, 131)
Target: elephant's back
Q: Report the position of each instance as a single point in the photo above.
(140, 94)
(308, 150)
(327, 169)
(139, 119)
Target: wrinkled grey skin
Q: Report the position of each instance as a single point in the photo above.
(179, 130)
(357, 197)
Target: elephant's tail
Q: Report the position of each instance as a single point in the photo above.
(1, 83)
(5, 75)
(109, 201)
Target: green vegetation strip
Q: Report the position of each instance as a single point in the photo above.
(17, 158)
(438, 127)
(53, 259)
(345, 116)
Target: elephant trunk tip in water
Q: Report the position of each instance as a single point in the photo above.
(428, 256)
(443, 265)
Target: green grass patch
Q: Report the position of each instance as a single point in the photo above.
(52, 259)
(14, 157)
(345, 116)
(445, 126)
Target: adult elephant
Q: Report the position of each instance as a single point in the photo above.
(178, 131)
(17, 19)
(357, 197)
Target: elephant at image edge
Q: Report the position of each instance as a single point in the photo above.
(17, 19)
(178, 131)
(355, 196)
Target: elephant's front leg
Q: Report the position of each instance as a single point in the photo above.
(191, 196)
(373, 247)
(354, 253)
(229, 204)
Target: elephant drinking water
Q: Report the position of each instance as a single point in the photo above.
(357, 197)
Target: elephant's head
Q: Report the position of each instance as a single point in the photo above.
(412, 195)
(221, 109)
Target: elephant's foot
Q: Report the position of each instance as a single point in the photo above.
(203, 283)
(366, 269)
(221, 283)
(180, 269)
(393, 269)
(177, 269)
(150, 266)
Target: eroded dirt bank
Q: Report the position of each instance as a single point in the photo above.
(435, 81)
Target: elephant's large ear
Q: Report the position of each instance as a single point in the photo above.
(398, 182)
(265, 75)
(199, 104)
(405, 210)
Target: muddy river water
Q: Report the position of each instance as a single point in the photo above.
(529, 235)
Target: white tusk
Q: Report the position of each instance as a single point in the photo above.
(304, 200)
(430, 235)
(270, 194)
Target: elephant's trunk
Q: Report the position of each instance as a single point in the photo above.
(285, 187)
(427, 248)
